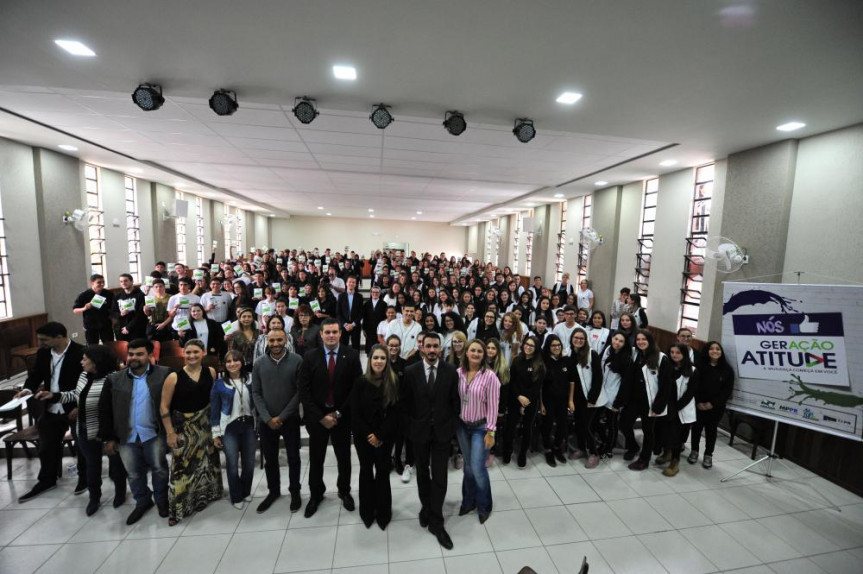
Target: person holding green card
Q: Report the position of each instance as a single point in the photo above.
(96, 305)
(179, 304)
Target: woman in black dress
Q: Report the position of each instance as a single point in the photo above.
(714, 390)
(526, 376)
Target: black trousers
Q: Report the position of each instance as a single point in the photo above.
(605, 423)
(583, 422)
(556, 412)
(92, 451)
(52, 428)
(432, 458)
(709, 422)
(403, 442)
(290, 432)
(631, 413)
(526, 419)
(93, 336)
(319, 436)
(376, 500)
(371, 340)
(352, 338)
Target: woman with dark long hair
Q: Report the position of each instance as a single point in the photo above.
(616, 364)
(647, 397)
(374, 420)
(681, 408)
(585, 394)
(714, 390)
(554, 402)
(487, 327)
(526, 377)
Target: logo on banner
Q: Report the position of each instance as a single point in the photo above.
(776, 347)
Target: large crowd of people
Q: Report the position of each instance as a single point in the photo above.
(464, 364)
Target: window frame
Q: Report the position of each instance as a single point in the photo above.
(5, 275)
(646, 232)
(95, 220)
(133, 227)
(695, 242)
(583, 248)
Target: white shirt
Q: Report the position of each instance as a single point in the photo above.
(222, 302)
(56, 365)
(429, 367)
(407, 334)
(337, 282)
(183, 311)
(564, 332)
(583, 298)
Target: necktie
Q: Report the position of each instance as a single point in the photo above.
(331, 392)
(431, 380)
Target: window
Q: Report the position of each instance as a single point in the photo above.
(528, 249)
(133, 229)
(199, 229)
(645, 238)
(492, 241)
(519, 224)
(693, 259)
(227, 226)
(5, 300)
(584, 248)
(180, 223)
(561, 244)
(241, 220)
(95, 220)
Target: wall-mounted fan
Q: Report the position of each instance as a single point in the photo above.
(592, 238)
(77, 217)
(725, 254)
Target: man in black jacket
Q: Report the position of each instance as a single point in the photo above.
(349, 311)
(374, 311)
(431, 401)
(57, 368)
(327, 377)
(96, 305)
(129, 311)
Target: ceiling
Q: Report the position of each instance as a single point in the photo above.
(661, 80)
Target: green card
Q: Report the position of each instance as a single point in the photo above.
(293, 303)
(277, 287)
(268, 309)
(150, 301)
(228, 327)
(198, 274)
(316, 307)
(148, 281)
(184, 301)
(183, 324)
(258, 293)
(97, 301)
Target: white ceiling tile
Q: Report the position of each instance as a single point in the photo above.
(255, 132)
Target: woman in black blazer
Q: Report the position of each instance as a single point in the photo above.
(374, 420)
(214, 335)
(584, 394)
(526, 376)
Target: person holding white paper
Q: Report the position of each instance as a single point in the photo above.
(96, 305)
(179, 304)
(156, 310)
(131, 323)
(203, 328)
(216, 302)
(266, 307)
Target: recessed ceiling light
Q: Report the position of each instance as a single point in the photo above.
(668, 163)
(328, 213)
(600, 182)
(75, 48)
(558, 195)
(371, 210)
(568, 98)
(67, 147)
(345, 72)
(320, 207)
(419, 212)
(790, 126)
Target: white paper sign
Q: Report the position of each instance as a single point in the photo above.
(126, 304)
(150, 301)
(277, 287)
(184, 302)
(198, 274)
(267, 309)
(148, 281)
(316, 307)
(293, 303)
(97, 301)
(258, 293)
(228, 327)
(183, 324)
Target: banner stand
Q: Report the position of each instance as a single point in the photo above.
(768, 457)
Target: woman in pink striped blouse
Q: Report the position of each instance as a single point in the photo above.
(479, 389)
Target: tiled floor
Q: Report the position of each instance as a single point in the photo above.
(548, 518)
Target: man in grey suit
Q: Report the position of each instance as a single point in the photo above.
(129, 420)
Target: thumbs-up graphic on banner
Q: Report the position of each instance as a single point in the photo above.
(808, 326)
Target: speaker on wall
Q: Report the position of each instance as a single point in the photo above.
(181, 208)
(528, 224)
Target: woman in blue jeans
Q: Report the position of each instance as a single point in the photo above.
(233, 425)
(479, 390)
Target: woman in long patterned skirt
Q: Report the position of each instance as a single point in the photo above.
(195, 475)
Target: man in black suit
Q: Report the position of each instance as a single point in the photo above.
(57, 368)
(349, 311)
(431, 401)
(374, 311)
(327, 376)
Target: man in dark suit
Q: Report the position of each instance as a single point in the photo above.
(327, 376)
(431, 402)
(374, 311)
(349, 311)
(57, 368)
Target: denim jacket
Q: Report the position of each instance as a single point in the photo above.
(222, 404)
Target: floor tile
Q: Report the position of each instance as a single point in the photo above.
(639, 516)
(798, 535)
(609, 486)
(715, 507)
(84, 558)
(195, 555)
(14, 522)
(55, 527)
(429, 566)
(534, 493)
(369, 569)
(837, 562)
(471, 536)
(326, 515)
(307, 549)
(25, 559)
(765, 545)
(409, 541)
(276, 518)
(218, 517)
(797, 566)
(536, 558)
(137, 556)
(567, 557)
(572, 489)
(511, 530)
(485, 563)
(502, 494)
(677, 511)
(720, 548)
(676, 554)
(628, 555)
(360, 546)
(649, 482)
(834, 526)
(252, 552)
(107, 524)
(555, 525)
(598, 521)
(151, 525)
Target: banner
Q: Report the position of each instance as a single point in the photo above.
(798, 353)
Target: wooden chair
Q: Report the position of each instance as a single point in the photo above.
(157, 351)
(175, 363)
(24, 354)
(7, 417)
(170, 349)
(31, 435)
(120, 348)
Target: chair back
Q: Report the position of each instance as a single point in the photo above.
(175, 363)
(7, 395)
(170, 349)
(120, 348)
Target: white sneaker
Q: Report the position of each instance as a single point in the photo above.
(248, 498)
(238, 505)
(406, 475)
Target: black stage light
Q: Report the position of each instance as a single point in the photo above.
(524, 130)
(224, 102)
(304, 110)
(381, 116)
(148, 97)
(454, 123)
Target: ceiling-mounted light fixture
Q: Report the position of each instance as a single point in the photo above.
(524, 130)
(224, 102)
(454, 123)
(305, 109)
(381, 116)
(148, 97)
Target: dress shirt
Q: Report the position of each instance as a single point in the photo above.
(429, 366)
(56, 365)
(142, 419)
(479, 399)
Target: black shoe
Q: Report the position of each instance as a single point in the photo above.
(466, 510)
(443, 538)
(549, 458)
(559, 456)
(163, 509)
(638, 465)
(348, 501)
(80, 488)
(267, 502)
(296, 501)
(424, 519)
(139, 512)
(507, 458)
(522, 460)
(630, 454)
(312, 506)
(119, 495)
(398, 466)
(92, 506)
(38, 489)
(483, 518)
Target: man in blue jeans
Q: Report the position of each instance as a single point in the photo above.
(129, 419)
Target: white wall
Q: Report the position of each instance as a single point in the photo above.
(473, 240)
(145, 224)
(825, 236)
(627, 240)
(116, 240)
(366, 235)
(574, 210)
